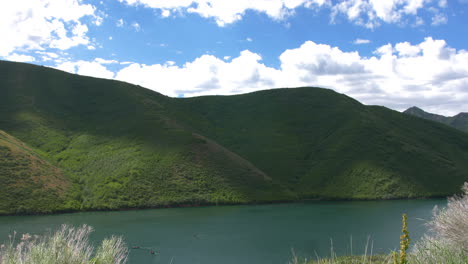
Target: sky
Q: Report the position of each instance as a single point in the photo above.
(395, 53)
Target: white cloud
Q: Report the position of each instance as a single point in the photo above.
(99, 19)
(405, 49)
(442, 3)
(136, 26)
(359, 41)
(47, 56)
(205, 75)
(93, 68)
(226, 12)
(368, 13)
(249, 39)
(104, 61)
(119, 23)
(439, 19)
(19, 58)
(418, 22)
(429, 74)
(35, 25)
(371, 13)
(165, 13)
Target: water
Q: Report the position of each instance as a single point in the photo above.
(245, 234)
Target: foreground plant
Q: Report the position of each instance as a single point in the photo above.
(367, 258)
(404, 243)
(68, 245)
(448, 239)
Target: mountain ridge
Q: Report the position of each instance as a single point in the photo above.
(458, 121)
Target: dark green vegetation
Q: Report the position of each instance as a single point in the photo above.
(123, 146)
(459, 121)
(318, 143)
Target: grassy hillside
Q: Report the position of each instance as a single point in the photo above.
(119, 145)
(319, 143)
(122, 146)
(29, 183)
(459, 121)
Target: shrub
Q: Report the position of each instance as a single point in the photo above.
(68, 245)
(448, 239)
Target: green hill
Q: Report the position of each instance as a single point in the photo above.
(123, 146)
(119, 146)
(29, 183)
(322, 144)
(459, 121)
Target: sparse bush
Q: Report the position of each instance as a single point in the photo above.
(433, 251)
(448, 239)
(68, 245)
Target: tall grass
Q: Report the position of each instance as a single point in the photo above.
(367, 258)
(68, 245)
(447, 241)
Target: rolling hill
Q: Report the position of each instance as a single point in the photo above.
(119, 145)
(459, 121)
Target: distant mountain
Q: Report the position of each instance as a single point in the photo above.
(459, 121)
(116, 145)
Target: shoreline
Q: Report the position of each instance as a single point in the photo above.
(212, 204)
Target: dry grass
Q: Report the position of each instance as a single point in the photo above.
(448, 241)
(367, 258)
(68, 245)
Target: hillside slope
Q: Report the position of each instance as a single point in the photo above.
(29, 183)
(123, 146)
(459, 121)
(322, 144)
(119, 146)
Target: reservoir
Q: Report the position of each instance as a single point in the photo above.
(260, 234)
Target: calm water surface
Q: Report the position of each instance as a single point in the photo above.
(260, 234)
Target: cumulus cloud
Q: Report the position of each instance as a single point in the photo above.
(429, 74)
(47, 56)
(371, 13)
(368, 13)
(227, 12)
(88, 68)
(439, 19)
(35, 25)
(205, 75)
(19, 58)
(165, 13)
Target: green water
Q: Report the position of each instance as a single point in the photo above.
(263, 234)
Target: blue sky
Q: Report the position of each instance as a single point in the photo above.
(396, 53)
